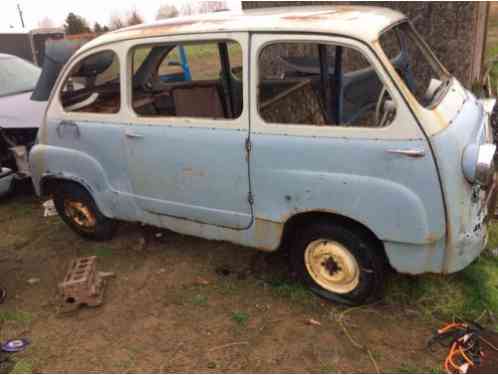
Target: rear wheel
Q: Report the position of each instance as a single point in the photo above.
(339, 263)
(78, 210)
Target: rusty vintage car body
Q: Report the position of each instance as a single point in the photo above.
(237, 159)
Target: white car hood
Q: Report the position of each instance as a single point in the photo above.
(20, 112)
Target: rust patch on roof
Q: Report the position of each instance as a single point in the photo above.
(169, 28)
(311, 16)
(162, 26)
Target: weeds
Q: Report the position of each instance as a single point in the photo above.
(466, 294)
(290, 290)
(240, 317)
(103, 252)
(199, 300)
(410, 369)
(15, 316)
(23, 366)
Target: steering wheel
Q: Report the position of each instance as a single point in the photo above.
(379, 107)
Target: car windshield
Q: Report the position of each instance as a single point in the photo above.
(17, 75)
(420, 71)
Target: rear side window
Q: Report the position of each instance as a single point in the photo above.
(199, 79)
(306, 83)
(93, 85)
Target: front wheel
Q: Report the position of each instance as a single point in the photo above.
(339, 263)
(78, 210)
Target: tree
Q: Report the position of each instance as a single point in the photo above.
(46, 22)
(97, 28)
(212, 6)
(134, 18)
(75, 24)
(166, 11)
(116, 22)
(187, 9)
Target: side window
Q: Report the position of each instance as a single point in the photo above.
(202, 79)
(304, 83)
(391, 44)
(93, 85)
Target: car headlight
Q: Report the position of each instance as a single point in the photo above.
(478, 163)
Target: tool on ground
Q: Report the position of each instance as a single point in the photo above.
(465, 346)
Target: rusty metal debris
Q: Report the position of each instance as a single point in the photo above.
(49, 208)
(313, 322)
(83, 285)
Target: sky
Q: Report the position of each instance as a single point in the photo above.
(93, 11)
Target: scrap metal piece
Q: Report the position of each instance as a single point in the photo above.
(49, 208)
(13, 346)
(21, 157)
(82, 285)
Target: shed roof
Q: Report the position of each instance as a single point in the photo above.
(361, 22)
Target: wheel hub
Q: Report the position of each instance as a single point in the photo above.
(332, 266)
(79, 213)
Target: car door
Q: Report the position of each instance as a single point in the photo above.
(186, 143)
(378, 173)
(85, 129)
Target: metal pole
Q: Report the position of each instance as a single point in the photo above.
(20, 14)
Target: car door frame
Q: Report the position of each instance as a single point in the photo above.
(239, 124)
(111, 193)
(311, 188)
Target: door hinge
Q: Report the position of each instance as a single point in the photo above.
(250, 198)
(248, 144)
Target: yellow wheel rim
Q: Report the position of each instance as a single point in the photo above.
(332, 266)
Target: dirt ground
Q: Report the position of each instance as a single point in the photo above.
(182, 304)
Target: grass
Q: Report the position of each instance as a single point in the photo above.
(290, 290)
(465, 295)
(23, 366)
(199, 300)
(492, 40)
(15, 316)
(240, 317)
(410, 369)
(102, 252)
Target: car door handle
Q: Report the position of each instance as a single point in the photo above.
(62, 125)
(411, 152)
(131, 134)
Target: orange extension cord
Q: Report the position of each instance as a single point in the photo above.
(464, 350)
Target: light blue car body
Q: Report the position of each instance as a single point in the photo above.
(246, 185)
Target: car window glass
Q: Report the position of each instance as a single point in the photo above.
(93, 85)
(305, 83)
(391, 44)
(17, 75)
(201, 79)
(418, 69)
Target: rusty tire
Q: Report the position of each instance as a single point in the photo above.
(335, 247)
(78, 210)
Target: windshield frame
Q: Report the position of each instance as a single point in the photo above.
(15, 59)
(431, 59)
